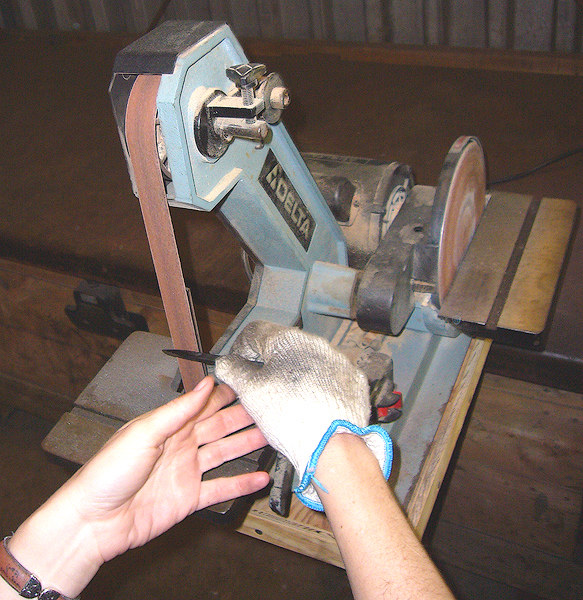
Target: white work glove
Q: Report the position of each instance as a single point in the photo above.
(303, 393)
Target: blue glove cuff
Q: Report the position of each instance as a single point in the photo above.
(376, 438)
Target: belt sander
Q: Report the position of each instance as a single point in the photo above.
(398, 276)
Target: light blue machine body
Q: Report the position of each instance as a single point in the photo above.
(266, 195)
(273, 229)
(292, 284)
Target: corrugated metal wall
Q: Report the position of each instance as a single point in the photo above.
(538, 25)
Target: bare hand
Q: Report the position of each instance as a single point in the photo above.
(144, 480)
(148, 476)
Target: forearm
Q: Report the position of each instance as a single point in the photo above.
(382, 555)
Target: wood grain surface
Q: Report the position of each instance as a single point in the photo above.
(513, 506)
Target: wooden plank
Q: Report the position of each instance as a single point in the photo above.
(44, 14)
(111, 16)
(269, 15)
(512, 507)
(322, 21)
(220, 10)
(550, 27)
(187, 10)
(375, 26)
(244, 18)
(497, 25)
(79, 438)
(81, 15)
(407, 22)
(296, 19)
(62, 14)
(38, 342)
(530, 391)
(305, 531)
(141, 14)
(34, 301)
(435, 465)
(100, 15)
(349, 20)
(434, 23)
(542, 574)
(34, 399)
(51, 364)
(477, 60)
(566, 26)
(45, 361)
(27, 14)
(526, 429)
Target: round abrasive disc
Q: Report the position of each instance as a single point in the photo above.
(462, 193)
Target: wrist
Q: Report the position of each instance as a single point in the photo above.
(339, 452)
(346, 465)
(57, 547)
(372, 441)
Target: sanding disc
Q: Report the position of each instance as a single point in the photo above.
(460, 198)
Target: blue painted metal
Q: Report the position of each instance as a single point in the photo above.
(297, 279)
(269, 225)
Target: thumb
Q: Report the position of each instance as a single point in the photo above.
(236, 371)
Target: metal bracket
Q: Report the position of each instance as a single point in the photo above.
(99, 308)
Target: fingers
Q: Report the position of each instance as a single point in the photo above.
(168, 419)
(222, 450)
(222, 423)
(154, 427)
(235, 370)
(228, 488)
(221, 396)
(199, 404)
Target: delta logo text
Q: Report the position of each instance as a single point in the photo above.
(287, 201)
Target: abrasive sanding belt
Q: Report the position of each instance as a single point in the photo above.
(140, 128)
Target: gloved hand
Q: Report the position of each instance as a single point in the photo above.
(303, 393)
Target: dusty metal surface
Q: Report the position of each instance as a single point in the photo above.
(509, 277)
(137, 378)
(478, 281)
(426, 367)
